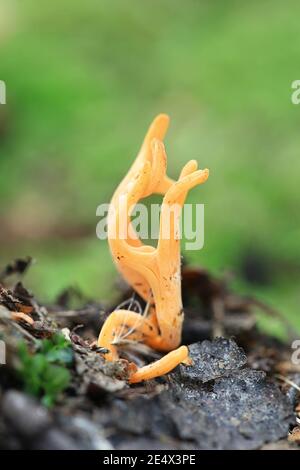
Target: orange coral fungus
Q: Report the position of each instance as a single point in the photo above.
(154, 273)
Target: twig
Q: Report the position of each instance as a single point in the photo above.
(5, 316)
(288, 381)
(218, 317)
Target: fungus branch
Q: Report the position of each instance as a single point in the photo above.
(152, 272)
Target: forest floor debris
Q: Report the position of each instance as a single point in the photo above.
(240, 393)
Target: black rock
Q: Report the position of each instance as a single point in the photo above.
(218, 405)
(215, 404)
(212, 359)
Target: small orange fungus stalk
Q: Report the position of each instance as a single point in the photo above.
(154, 273)
(19, 316)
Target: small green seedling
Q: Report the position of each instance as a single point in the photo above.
(45, 373)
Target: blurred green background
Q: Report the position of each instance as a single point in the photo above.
(84, 80)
